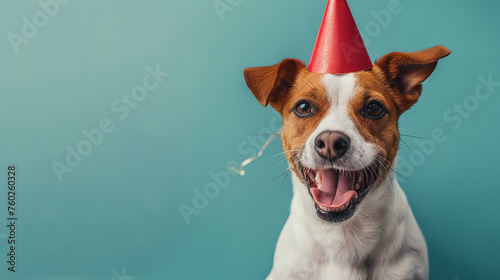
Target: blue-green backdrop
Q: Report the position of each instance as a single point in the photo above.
(115, 213)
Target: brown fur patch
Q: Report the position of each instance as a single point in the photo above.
(383, 133)
(296, 130)
(404, 73)
(282, 86)
(395, 81)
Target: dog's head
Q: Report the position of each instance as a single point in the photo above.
(340, 132)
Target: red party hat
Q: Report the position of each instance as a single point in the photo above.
(339, 48)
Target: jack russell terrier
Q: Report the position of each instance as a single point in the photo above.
(349, 218)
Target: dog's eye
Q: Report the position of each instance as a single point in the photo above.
(303, 109)
(374, 110)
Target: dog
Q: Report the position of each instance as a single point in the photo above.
(349, 218)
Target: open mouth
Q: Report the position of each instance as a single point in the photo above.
(337, 192)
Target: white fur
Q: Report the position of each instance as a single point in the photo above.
(381, 241)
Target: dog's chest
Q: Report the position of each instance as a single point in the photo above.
(319, 269)
(304, 257)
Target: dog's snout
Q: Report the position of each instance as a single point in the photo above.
(332, 145)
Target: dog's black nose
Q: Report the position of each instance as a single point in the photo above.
(332, 145)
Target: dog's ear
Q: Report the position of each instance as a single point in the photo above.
(270, 83)
(405, 73)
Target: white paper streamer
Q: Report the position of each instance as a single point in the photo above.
(241, 169)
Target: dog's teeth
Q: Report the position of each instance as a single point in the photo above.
(357, 186)
(339, 209)
(344, 207)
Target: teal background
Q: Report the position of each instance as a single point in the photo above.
(119, 209)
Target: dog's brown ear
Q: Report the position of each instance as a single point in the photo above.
(405, 73)
(269, 83)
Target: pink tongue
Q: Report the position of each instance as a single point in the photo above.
(335, 190)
